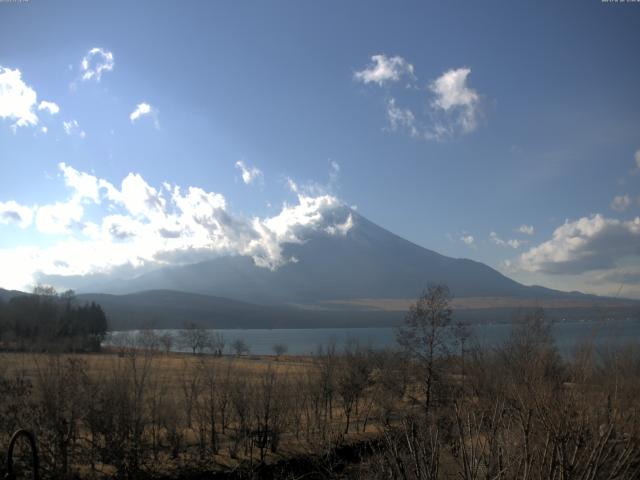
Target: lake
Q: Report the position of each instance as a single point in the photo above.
(306, 341)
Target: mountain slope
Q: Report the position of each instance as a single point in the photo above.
(367, 277)
(368, 262)
(6, 295)
(172, 309)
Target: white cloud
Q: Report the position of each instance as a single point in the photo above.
(455, 98)
(87, 188)
(292, 185)
(95, 62)
(249, 174)
(314, 188)
(620, 203)
(51, 107)
(495, 239)
(121, 227)
(626, 275)
(141, 109)
(334, 171)
(452, 91)
(12, 212)
(72, 127)
(467, 239)
(84, 185)
(583, 245)
(526, 229)
(91, 230)
(513, 243)
(334, 177)
(144, 109)
(401, 118)
(58, 218)
(637, 159)
(384, 69)
(140, 198)
(341, 228)
(453, 109)
(148, 227)
(17, 99)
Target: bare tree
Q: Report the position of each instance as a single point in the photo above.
(195, 338)
(147, 339)
(279, 349)
(424, 332)
(268, 407)
(191, 385)
(123, 342)
(218, 343)
(242, 407)
(352, 379)
(166, 340)
(240, 347)
(461, 333)
(58, 420)
(223, 394)
(206, 406)
(530, 352)
(324, 387)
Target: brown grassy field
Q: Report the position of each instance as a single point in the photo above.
(172, 366)
(182, 411)
(518, 411)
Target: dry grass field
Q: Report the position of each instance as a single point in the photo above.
(172, 366)
(517, 411)
(177, 412)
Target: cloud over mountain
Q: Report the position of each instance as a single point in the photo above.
(143, 226)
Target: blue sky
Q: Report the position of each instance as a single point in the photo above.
(451, 124)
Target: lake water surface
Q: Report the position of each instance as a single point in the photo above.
(307, 341)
